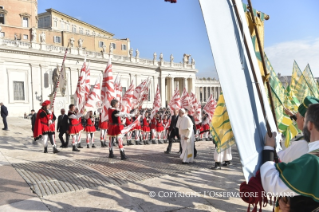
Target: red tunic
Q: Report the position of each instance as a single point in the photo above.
(128, 122)
(90, 128)
(42, 126)
(204, 128)
(103, 125)
(115, 124)
(138, 126)
(75, 125)
(146, 125)
(159, 125)
(198, 126)
(153, 124)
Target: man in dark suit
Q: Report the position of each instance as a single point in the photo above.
(173, 131)
(33, 118)
(4, 114)
(63, 128)
(194, 129)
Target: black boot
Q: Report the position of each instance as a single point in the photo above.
(87, 146)
(217, 166)
(75, 149)
(146, 142)
(111, 155)
(227, 163)
(55, 150)
(102, 144)
(123, 157)
(154, 141)
(105, 145)
(79, 145)
(93, 146)
(45, 150)
(160, 141)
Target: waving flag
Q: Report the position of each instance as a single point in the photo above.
(131, 126)
(185, 100)
(210, 107)
(193, 105)
(126, 105)
(94, 98)
(298, 83)
(198, 113)
(175, 102)
(79, 95)
(107, 92)
(157, 104)
(137, 94)
(311, 82)
(144, 95)
(222, 131)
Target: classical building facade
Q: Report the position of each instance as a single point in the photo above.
(204, 87)
(32, 48)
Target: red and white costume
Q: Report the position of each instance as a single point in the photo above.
(146, 129)
(90, 129)
(137, 131)
(75, 126)
(159, 128)
(115, 127)
(44, 127)
(128, 121)
(204, 130)
(153, 127)
(166, 126)
(103, 128)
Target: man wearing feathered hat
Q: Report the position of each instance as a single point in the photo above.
(44, 127)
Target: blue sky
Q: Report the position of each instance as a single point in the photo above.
(157, 26)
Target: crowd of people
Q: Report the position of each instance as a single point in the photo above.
(162, 127)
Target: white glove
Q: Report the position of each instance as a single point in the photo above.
(50, 122)
(49, 111)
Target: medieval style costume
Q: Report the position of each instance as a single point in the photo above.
(204, 131)
(153, 127)
(44, 127)
(166, 126)
(186, 131)
(137, 132)
(115, 130)
(159, 128)
(90, 129)
(75, 128)
(146, 128)
(103, 129)
(128, 121)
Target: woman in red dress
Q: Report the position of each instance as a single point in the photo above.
(146, 127)
(205, 127)
(153, 132)
(137, 130)
(44, 127)
(128, 121)
(166, 126)
(90, 129)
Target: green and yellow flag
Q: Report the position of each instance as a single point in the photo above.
(311, 82)
(260, 28)
(221, 128)
(299, 84)
(291, 102)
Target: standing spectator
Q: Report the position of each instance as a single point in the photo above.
(33, 118)
(173, 131)
(63, 127)
(4, 114)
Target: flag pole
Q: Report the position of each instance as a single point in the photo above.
(253, 70)
(261, 51)
(58, 81)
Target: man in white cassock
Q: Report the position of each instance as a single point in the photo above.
(185, 126)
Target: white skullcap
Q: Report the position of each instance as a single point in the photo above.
(182, 110)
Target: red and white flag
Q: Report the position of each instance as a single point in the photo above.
(80, 92)
(137, 94)
(196, 109)
(145, 93)
(186, 102)
(126, 106)
(107, 92)
(210, 107)
(157, 104)
(131, 126)
(175, 102)
(94, 98)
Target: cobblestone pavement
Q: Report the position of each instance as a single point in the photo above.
(113, 184)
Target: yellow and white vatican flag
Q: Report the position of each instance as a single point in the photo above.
(236, 63)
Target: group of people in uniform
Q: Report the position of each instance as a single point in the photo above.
(158, 128)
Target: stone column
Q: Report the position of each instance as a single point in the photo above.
(172, 88)
(163, 92)
(185, 84)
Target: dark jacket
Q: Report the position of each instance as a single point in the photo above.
(33, 118)
(173, 123)
(193, 120)
(4, 111)
(63, 124)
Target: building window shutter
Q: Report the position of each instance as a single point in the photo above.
(18, 90)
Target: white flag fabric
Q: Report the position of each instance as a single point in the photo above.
(131, 126)
(210, 107)
(175, 102)
(107, 92)
(236, 78)
(126, 105)
(94, 98)
(157, 104)
(79, 95)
